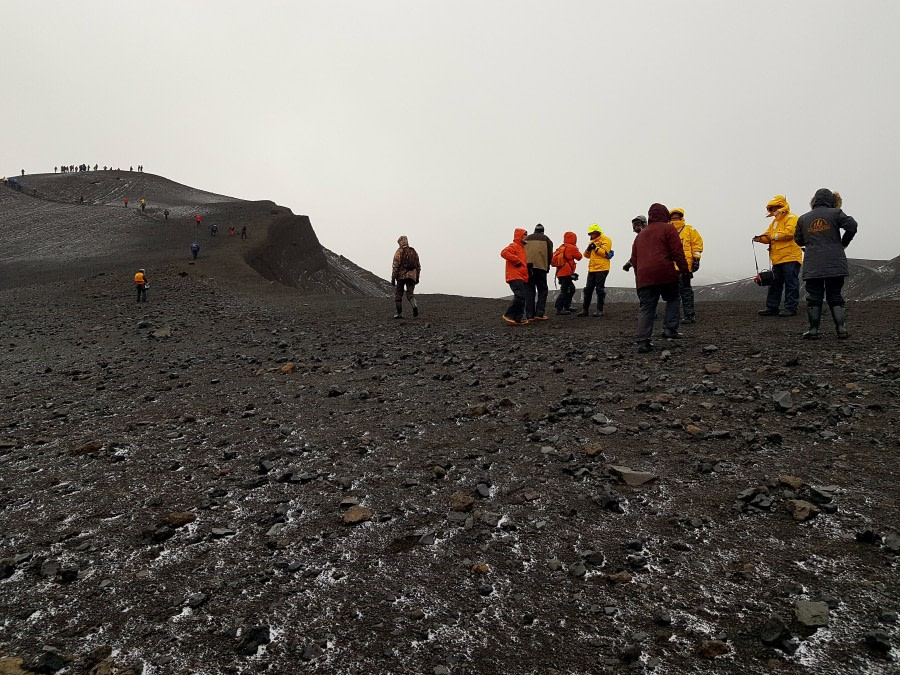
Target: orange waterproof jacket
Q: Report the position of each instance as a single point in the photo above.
(571, 254)
(515, 257)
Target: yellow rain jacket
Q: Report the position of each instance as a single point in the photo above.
(780, 235)
(597, 260)
(691, 240)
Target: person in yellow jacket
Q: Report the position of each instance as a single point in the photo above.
(598, 252)
(692, 243)
(140, 283)
(786, 258)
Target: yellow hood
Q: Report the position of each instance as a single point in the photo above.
(780, 201)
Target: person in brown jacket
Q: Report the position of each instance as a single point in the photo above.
(539, 251)
(405, 275)
(653, 253)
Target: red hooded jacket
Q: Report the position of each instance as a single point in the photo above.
(655, 249)
(516, 260)
(570, 255)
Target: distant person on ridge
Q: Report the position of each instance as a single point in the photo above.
(140, 283)
(825, 266)
(195, 248)
(516, 276)
(785, 256)
(598, 253)
(566, 256)
(244, 232)
(213, 228)
(231, 231)
(638, 223)
(126, 202)
(692, 243)
(657, 256)
(166, 214)
(405, 272)
(198, 219)
(143, 203)
(539, 251)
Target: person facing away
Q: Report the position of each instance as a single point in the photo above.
(166, 214)
(598, 252)
(195, 248)
(198, 219)
(143, 203)
(231, 231)
(405, 273)
(213, 228)
(140, 284)
(126, 202)
(692, 243)
(567, 255)
(516, 276)
(819, 233)
(785, 257)
(244, 232)
(539, 252)
(638, 223)
(657, 255)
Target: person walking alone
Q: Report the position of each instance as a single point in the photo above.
(786, 258)
(655, 254)
(538, 251)
(195, 249)
(140, 284)
(567, 256)
(598, 253)
(516, 276)
(825, 266)
(405, 272)
(692, 243)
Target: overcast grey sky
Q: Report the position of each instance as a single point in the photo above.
(456, 122)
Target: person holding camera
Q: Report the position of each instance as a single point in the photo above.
(692, 243)
(564, 259)
(405, 273)
(598, 252)
(785, 256)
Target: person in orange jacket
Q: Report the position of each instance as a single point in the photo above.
(786, 258)
(140, 283)
(567, 254)
(516, 276)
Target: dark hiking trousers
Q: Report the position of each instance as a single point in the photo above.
(566, 293)
(408, 285)
(828, 289)
(595, 281)
(516, 310)
(686, 291)
(785, 277)
(141, 293)
(649, 297)
(536, 293)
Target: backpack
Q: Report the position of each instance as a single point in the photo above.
(559, 258)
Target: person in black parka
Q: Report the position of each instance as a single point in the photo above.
(825, 264)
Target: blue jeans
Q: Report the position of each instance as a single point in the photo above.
(785, 277)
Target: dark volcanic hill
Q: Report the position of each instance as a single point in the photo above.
(47, 230)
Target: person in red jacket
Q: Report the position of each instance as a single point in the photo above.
(198, 219)
(565, 273)
(516, 276)
(653, 253)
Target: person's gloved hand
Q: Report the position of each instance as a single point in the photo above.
(695, 265)
(627, 267)
(591, 247)
(610, 255)
(686, 277)
(518, 264)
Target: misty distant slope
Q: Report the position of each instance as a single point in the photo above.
(49, 234)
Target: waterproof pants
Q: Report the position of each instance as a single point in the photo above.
(686, 291)
(828, 289)
(536, 292)
(566, 293)
(649, 297)
(408, 285)
(595, 280)
(786, 277)
(141, 293)
(516, 310)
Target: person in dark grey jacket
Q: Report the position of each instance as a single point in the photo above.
(825, 263)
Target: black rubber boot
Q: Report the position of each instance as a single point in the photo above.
(399, 314)
(415, 307)
(814, 314)
(644, 347)
(839, 314)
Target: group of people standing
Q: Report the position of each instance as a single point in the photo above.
(666, 253)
